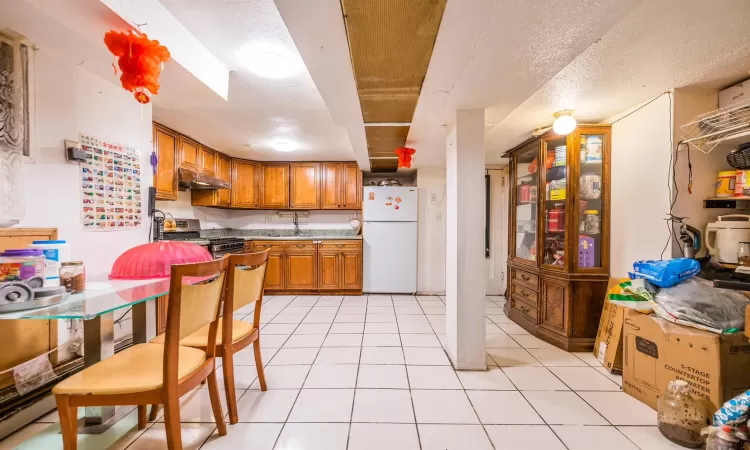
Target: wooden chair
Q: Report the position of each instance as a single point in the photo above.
(247, 275)
(154, 373)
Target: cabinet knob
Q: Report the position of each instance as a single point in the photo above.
(300, 245)
(526, 310)
(524, 293)
(525, 277)
(340, 245)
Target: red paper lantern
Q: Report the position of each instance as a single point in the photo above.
(139, 59)
(404, 157)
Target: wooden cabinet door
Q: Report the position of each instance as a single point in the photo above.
(331, 186)
(165, 179)
(301, 270)
(224, 173)
(329, 270)
(304, 187)
(244, 192)
(274, 185)
(189, 154)
(352, 187)
(554, 304)
(207, 161)
(275, 272)
(351, 269)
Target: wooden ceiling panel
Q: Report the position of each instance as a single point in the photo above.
(391, 44)
(383, 165)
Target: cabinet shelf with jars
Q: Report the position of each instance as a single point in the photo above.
(558, 262)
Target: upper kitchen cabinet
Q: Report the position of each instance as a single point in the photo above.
(331, 185)
(341, 186)
(274, 185)
(207, 161)
(244, 184)
(304, 187)
(189, 154)
(165, 178)
(216, 197)
(352, 186)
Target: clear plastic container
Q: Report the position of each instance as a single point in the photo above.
(680, 417)
(73, 276)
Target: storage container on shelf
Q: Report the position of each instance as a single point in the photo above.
(25, 264)
(55, 253)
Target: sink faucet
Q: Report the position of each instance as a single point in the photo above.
(295, 220)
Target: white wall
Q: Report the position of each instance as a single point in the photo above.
(253, 219)
(689, 102)
(640, 198)
(70, 100)
(496, 265)
(431, 226)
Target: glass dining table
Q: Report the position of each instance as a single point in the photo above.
(96, 307)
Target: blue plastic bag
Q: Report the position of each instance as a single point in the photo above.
(666, 273)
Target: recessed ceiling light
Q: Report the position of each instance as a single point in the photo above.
(268, 62)
(284, 146)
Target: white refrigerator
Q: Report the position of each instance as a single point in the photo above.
(390, 239)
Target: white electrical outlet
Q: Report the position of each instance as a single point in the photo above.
(269, 218)
(433, 197)
(438, 216)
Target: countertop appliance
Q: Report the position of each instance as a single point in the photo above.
(189, 230)
(723, 237)
(390, 239)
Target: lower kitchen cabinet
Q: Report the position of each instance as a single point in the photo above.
(351, 270)
(329, 270)
(301, 271)
(275, 272)
(307, 266)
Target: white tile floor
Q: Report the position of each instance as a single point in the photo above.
(364, 373)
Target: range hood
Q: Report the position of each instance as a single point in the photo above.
(187, 179)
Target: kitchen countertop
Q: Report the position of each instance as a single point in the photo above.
(301, 238)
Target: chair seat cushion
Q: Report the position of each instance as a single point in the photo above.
(136, 369)
(199, 338)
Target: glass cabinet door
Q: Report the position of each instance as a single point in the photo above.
(590, 206)
(555, 167)
(525, 197)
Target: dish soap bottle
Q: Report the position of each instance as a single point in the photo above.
(680, 417)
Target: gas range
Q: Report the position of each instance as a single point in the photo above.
(222, 246)
(188, 230)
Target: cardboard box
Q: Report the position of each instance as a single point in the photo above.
(608, 343)
(656, 352)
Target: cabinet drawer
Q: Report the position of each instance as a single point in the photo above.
(523, 293)
(527, 278)
(299, 246)
(275, 246)
(530, 312)
(340, 245)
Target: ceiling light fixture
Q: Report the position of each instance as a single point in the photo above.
(564, 123)
(268, 62)
(284, 146)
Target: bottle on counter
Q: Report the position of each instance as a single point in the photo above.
(722, 438)
(73, 276)
(680, 417)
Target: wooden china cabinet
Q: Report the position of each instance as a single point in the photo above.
(558, 262)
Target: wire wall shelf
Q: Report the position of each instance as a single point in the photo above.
(728, 125)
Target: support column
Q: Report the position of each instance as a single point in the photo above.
(464, 256)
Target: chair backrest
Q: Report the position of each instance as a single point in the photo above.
(195, 293)
(247, 276)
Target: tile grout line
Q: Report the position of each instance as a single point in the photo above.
(406, 369)
(356, 378)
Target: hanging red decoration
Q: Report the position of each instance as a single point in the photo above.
(404, 157)
(139, 59)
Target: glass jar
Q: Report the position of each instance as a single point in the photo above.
(743, 254)
(680, 417)
(722, 438)
(73, 276)
(589, 223)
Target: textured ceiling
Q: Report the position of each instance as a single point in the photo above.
(391, 44)
(523, 61)
(260, 110)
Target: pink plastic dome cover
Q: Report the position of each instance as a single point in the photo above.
(154, 260)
